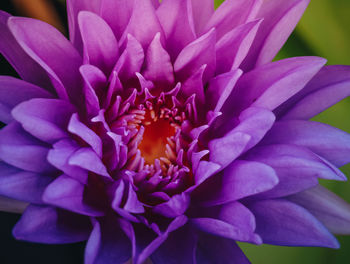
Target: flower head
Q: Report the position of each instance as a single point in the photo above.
(164, 130)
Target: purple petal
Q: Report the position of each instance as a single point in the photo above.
(330, 209)
(176, 206)
(239, 180)
(87, 159)
(143, 24)
(219, 250)
(202, 9)
(194, 86)
(23, 151)
(177, 21)
(48, 47)
(49, 125)
(73, 9)
(280, 222)
(328, 87)
(67, 193)
(205, 170)
(25, 66)
(324, 140)
(179, 247)
(220, 88)
(107, 243)
(158, 66)
(232, 13)
(85, 133)
(280, 18)
(14, 91)
(117, 14)
(131, 59)
(100, 46)
(132, 204)
(11, 205)
(272, 84)
(195, 55)
(232, 48)
(22, 185)
(59, 157)
(44, 224)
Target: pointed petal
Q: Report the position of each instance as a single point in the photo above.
(194, 86)
(195, 55)
(280, 222)
(49, 125)
(159, 68)
(67, 193)
(330, 209)
(202, 9)
(176, 206)
(330, 143)
(14, 91)
(280, 19)
(32, 154)
(44, 224)
(177, 21)
(25, 66)
(100, 46)
(22, 185)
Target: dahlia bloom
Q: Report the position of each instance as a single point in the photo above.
(164, 131)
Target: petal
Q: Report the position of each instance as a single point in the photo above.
(195, 55)
(205, 170)
(219, 250)
(11, 205)
(107, 243)
(100, 46)
(280, 19)
(48, 47)
(177, 21)
(329, 86)
(220, 88)
(85, 133)
(158, 68)
(117, 14)
(239, 180)
(232, 48)
(194, 86)
(272, 84)
(143, 24)
(23, 151)
(330, 209)
(68, 193)
(25, 66)
(176, 206)
(232, 13)
(14, 91)
(202, 9)
(49, 125)
(324, 140)
(280, 222)
(22, 185)
(44, 224)
(59, 156)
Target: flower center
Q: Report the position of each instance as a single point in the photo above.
(155, 138)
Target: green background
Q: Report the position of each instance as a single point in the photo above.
(323, 31)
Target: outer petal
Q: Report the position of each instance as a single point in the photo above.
(280, 222)
(202, 9)
(331, 210)
(49, 125)
(22, 185)
(177, 21)
(326, 141)
(48, 47)
(280, 18)
(14, 91)
(23, 151)
(25, 66)
(51, 226)
(100, 46)
(330, 85)
(219, 250)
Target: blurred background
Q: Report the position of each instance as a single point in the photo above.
(323, 31)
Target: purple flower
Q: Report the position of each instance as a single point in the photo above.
(165, 131)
